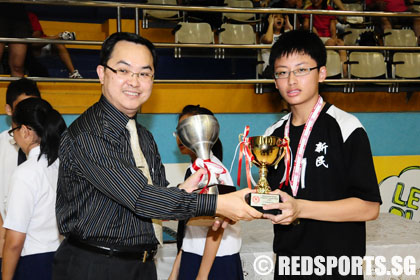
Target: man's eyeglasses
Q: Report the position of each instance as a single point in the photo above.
(13, 129)
(303, 71)
(125, 74)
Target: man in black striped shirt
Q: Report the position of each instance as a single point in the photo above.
(104, 202)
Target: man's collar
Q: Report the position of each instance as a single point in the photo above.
(116, 118)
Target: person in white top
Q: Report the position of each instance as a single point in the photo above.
(32, 235)
(207, 254)
(16, 91)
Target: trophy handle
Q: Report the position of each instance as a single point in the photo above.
(276, 162)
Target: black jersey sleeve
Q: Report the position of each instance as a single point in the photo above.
(361, 171)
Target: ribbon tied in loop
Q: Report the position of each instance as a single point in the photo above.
(244, 150)
(210, 167)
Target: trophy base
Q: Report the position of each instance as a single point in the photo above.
(258, 200)
(218, 189)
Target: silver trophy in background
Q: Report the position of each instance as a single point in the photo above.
(199, 133)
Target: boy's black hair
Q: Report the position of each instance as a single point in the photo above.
(47, 123)
(110, 42)
(192, 110)
(21, 86)
(301, 42)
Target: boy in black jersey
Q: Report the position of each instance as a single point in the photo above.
(331, 187)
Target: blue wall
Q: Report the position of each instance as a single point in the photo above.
(389, 133)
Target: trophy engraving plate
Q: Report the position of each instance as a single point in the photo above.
(258, 200)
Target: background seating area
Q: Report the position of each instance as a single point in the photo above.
(93, 23)
(205, 73)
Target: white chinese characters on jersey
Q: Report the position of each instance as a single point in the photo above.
(321, 148)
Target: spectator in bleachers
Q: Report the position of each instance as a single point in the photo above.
(336, 4)
(395, 22)
(61, 49)
(289, 4)
(31, 227)
(325, 27)
(14, 23)
(275, 25)
(10, 154)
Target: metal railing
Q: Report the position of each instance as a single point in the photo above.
(210, 46)
(210, 8)
(258, 82)
(212, 81)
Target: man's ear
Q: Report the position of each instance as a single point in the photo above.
(100, 70)
(8, 109)
(322, 73)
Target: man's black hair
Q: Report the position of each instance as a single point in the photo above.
(109, 44)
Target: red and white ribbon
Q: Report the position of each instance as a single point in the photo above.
(245, 151)
(297, 165)
(287, 159)
(211, 167)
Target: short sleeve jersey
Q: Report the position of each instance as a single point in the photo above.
(337, 164)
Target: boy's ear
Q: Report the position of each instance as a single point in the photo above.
(322, 73)
(8, 109)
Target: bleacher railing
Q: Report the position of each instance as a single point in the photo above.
(259, 82)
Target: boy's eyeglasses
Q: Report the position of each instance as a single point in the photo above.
(126, 74)
(303, 71)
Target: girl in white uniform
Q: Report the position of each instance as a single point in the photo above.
(207, 254)
(31, 229)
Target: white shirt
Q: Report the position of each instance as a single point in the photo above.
(8, 163)
(195, 236)
(31, 204)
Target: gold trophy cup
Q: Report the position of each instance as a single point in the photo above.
(267, 151)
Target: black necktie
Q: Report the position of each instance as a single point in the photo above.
(21, 156)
